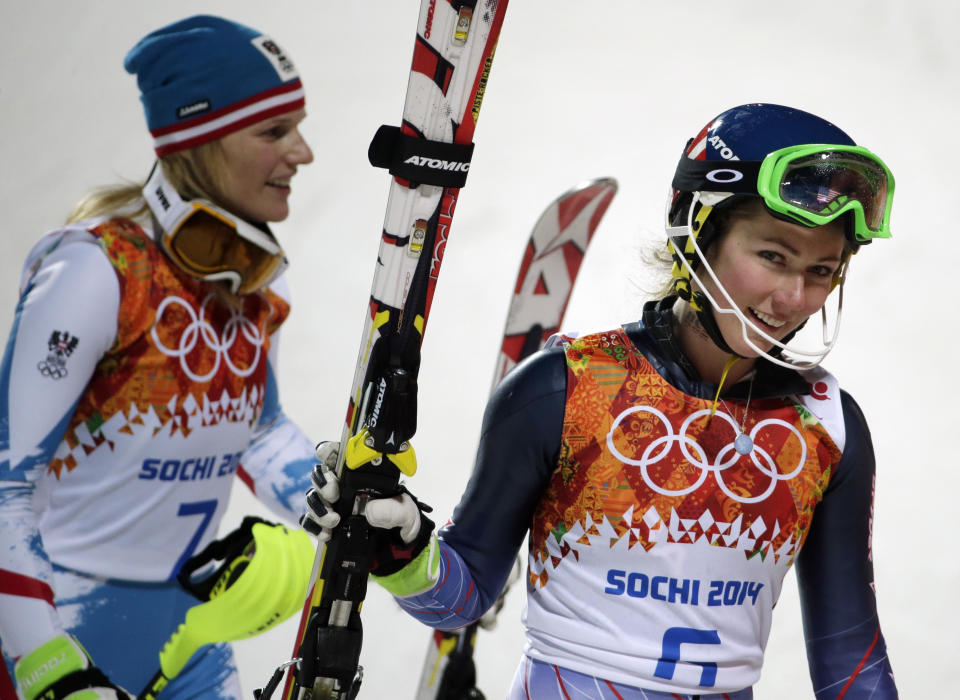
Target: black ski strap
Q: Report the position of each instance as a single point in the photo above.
(420, 160)
(226, 550)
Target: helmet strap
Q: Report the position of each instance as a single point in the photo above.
(686, 251)
(708, 320)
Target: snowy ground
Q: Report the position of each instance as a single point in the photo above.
(578, 90)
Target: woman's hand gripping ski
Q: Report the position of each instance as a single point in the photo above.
(401, 530)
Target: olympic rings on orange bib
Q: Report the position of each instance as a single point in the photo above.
(725, 458)
(200, 329)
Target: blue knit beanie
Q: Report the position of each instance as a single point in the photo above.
(204, 77)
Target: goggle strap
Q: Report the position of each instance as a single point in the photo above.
(164, 201)
(734, 176)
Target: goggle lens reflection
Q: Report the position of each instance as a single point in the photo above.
(823, 183)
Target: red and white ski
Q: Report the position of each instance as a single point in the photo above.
(429, 157)
(549, 269)
(546, 278)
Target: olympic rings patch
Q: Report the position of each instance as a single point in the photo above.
(656, 450)
(199, 329)
(60, 346)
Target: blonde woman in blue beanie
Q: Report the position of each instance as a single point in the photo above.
(139, 378)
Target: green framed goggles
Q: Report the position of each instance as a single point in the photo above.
(810, 183)
(818, 183)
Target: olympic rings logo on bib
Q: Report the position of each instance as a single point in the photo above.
(199, 329)
(657, 450)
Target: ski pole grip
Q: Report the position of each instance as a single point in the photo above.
(420, 160)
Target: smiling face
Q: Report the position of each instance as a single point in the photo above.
(256, 165)
(777, 273)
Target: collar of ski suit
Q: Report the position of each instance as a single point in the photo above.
(655, 336)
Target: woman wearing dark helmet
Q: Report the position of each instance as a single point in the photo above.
(670, 472)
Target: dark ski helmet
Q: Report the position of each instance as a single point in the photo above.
(804, 169)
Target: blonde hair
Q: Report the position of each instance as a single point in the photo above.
(196, 173)
(657, 260)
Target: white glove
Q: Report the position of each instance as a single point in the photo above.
(386, 513)
(61, 669)
(320, 518)
(398, 511)
(402, 529)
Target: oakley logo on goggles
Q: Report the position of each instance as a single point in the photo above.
(209, 243)
(812, 184)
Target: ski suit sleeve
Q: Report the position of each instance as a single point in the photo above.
(276, 465)
(65, 320)
(845, 647)
(517, 453)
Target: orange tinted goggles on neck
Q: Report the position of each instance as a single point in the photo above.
(211, 244)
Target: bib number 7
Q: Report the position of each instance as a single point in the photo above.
(206, 509)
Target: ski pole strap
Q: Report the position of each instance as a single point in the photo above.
(420, 160)
(230, 550)
(153, 688)
(267, 691)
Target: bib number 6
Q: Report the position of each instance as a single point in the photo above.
(673, 638)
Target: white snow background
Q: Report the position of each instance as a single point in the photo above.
(578, 90)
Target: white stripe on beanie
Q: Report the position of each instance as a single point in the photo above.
(190, 133)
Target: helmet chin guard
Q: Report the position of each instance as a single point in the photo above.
(690, 287)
